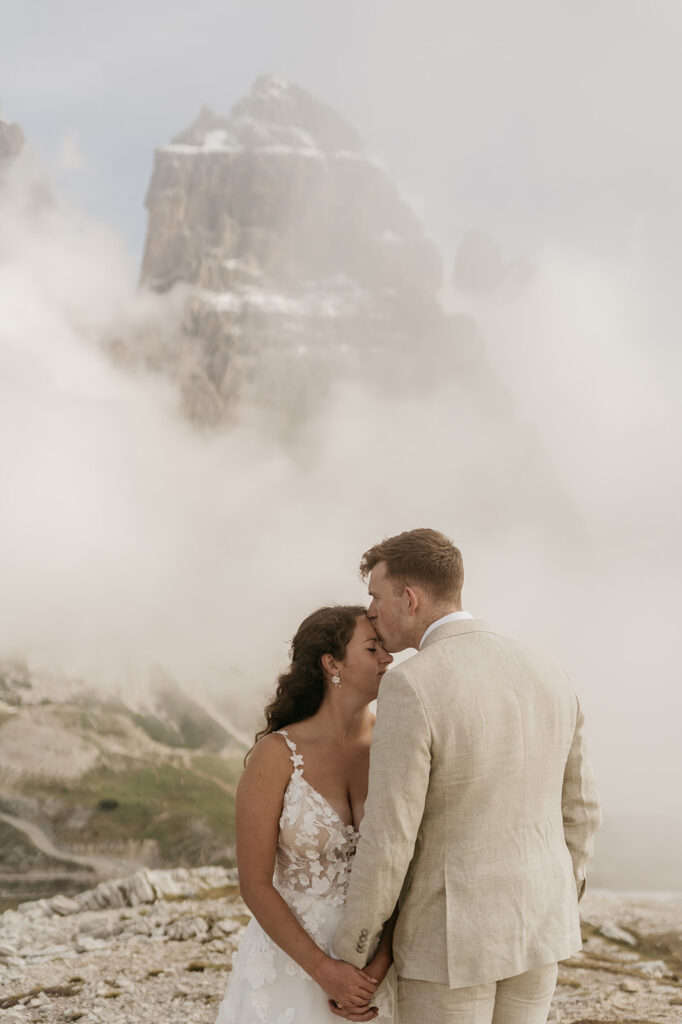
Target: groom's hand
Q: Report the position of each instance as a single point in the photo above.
(349, 988)
(368, 1014)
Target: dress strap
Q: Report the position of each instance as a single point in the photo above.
(296, 758)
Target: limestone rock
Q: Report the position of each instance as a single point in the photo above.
(279, 190)
(62, 905)
(86, 943)
(186, 928)
(148, 885)
(141, 889)
(226, 926)
(612, 931)
(653, 968)
(302, 261)
(295, 271)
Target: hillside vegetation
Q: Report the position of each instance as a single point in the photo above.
(112, 785)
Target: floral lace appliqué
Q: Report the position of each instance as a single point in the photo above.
(315, 851)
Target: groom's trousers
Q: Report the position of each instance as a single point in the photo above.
(524, 999)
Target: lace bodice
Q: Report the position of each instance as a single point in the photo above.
(315, 850)
(315, 847)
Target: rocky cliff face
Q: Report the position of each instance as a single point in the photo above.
(304, 262)
(301, 269)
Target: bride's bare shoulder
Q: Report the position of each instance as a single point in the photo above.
(269, 756)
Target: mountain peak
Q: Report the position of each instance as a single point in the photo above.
(275, 117)
(301, 256)
(278, 103)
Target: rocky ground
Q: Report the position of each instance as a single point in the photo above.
(154, 947)
(157, 946)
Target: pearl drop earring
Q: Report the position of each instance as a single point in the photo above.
(336, 679)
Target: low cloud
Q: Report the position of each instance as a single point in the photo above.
(70, 156)
(587, 348)
(131, 539)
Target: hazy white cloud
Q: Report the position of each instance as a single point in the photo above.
(481, 268)
(585, 348)
(70, 156)
(131, 539)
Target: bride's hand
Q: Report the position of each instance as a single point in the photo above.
(377, 969)
(348, 987)
(362, 1015)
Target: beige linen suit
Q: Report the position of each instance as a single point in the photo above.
(480, 814)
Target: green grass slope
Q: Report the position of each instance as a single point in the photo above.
(188, 816)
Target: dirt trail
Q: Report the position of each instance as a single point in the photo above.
(232, 790)
(106, 866)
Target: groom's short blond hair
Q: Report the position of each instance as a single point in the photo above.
(425, 557)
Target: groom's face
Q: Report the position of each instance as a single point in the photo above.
(388, 610)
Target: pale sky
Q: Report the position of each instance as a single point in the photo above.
(530, 120)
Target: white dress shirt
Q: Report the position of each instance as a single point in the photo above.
(451, 617)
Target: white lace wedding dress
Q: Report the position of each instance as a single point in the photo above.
(314, 855)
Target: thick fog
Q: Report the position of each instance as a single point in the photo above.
(540, 150)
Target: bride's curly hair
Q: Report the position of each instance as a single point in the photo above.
(300, 691)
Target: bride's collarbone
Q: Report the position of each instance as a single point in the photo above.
(340, 781)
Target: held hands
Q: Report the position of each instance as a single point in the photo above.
(349, 989)
(379, 966)
(369, 1014)
(376, 969)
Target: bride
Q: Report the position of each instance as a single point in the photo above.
(299, 804)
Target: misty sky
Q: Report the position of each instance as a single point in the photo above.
(531, 120)
(551, 129)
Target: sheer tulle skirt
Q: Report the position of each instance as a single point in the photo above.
(268, 987)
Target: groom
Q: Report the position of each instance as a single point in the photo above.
(481, 809)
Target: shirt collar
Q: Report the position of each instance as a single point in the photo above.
(451, 617)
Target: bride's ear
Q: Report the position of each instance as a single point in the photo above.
(328, 664)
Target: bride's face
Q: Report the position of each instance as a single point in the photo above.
(365, 661)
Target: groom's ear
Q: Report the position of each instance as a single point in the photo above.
(413, 598)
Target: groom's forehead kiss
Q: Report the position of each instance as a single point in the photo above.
(385, 592)
(381, 588)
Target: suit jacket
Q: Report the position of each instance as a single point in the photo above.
(480, 813)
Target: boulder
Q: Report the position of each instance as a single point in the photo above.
(184, 928)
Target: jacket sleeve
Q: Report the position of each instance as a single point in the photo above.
(579, 805)
(400, 764)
